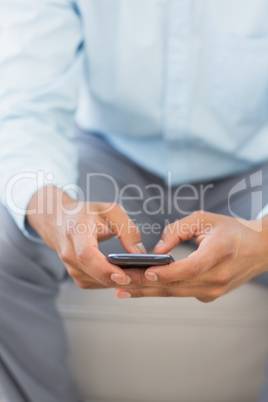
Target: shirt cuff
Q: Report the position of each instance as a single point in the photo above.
(264, 212)
(21, 189)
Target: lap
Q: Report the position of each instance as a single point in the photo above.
(106, 175)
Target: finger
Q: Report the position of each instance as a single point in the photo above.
(211, 252)
(82, 279)
(138, 279)
(219, 275)
(91, 261)
(89, 284)
(125, 229)
(193, 226)
(201, 293)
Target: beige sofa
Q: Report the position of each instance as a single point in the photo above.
(167, 350)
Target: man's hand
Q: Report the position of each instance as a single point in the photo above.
(230, 253)
(74, 229)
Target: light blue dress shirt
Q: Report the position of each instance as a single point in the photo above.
(176, 85)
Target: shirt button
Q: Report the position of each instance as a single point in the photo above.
(183, 111)
(176, 112)
(176, 154)
(178, 44)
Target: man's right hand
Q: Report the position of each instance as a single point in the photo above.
(74, 228)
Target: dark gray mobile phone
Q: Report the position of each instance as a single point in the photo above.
(139, 260)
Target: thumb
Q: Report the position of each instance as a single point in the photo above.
(194, 226)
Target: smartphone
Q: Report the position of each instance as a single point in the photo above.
(139, 260)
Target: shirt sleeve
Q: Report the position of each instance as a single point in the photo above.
(41, 50)
(264, 212)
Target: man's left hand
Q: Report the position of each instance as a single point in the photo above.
(230, 252)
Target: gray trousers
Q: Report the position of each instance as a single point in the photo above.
(32, 341)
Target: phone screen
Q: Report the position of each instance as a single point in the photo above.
(139, 260)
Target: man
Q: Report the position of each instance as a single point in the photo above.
(172, 119)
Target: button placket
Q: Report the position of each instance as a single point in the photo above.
(177, 81)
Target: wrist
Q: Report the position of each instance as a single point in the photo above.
(44, 210)
(257, 243)
(264, 242)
